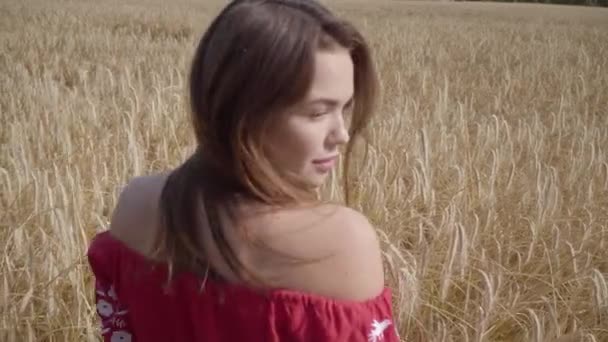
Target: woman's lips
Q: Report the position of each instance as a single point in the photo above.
(325, 164)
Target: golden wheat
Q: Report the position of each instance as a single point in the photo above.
(487, 175)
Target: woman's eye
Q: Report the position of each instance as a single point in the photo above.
(317, 114)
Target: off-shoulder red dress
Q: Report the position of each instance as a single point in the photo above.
(134, 304)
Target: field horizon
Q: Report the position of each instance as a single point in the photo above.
(487, 175)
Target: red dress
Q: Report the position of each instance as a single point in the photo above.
(134, 304)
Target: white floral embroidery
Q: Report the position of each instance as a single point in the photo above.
(113, 315)
(112, 293)
(120, 336)
(377, 330)
(104, 308)
(122, 313)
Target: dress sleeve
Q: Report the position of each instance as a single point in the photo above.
(112, 312)
(316, 319)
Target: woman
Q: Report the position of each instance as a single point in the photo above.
(233, 245)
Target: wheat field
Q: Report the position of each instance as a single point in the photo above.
(487, 175)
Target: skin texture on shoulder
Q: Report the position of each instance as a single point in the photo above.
(340, 243)
(328, 250)
(134, 218)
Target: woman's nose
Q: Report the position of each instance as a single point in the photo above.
(339, 133)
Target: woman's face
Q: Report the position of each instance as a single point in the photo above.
(305, 140)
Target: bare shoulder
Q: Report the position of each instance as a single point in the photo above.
(358, 260)
(346, 243)
(134, 218)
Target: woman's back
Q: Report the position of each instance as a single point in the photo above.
(322, 270)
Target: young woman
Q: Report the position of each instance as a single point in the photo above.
(233, 245)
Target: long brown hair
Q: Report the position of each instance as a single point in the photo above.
(255, 59)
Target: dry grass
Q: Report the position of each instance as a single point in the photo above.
(487, 178)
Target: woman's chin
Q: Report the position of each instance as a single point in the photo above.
(317, 180)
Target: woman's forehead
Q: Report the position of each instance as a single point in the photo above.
(333, 77)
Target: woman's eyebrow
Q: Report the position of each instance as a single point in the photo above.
(349, 102)
(329, 102)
